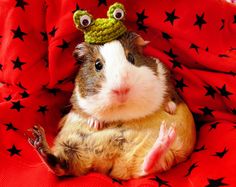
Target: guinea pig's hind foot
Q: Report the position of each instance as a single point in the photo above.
(163, 142)
(95, 123)
(39, 142)
(171, 107)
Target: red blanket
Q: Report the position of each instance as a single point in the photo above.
(195, 39)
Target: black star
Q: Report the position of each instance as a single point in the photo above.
(142, 27)
(207, 49)
(223, 24)
(200, 21)
(8, 98)
(64, 45)
(210, 91)
(141, 17)
(216, 182)
(180, 84)
(53, 91)
(1, 67)
(17, 106)
(44, 35)
(160, 181)
(176, 64)
(214, 125)
(116, 180)
(234, 19)
(234, 111)
(10, 127)
(21, 3)
(193, 46)
(223, 56)
(170, 53)
(166, 36)
(21, 86)
(224, 92)
(100, 2)
(222, 153)
(18, 33)
(76, 8)
(200, 149)
(171, 17)
(24, 94)
(194, 165)
(207, 111)
(14, 151)
(232, 73)
(17, 63)
(43, 109)
(53, 31)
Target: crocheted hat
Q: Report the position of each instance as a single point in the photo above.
(101, 30)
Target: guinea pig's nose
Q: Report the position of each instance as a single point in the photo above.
(121, 91)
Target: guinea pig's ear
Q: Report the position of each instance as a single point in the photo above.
(138, 41)
(80, 51)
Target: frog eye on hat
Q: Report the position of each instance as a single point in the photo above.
(116, 11)
(82, 19)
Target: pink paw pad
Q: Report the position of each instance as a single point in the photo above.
(96, 124)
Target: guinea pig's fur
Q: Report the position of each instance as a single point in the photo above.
(145, 78)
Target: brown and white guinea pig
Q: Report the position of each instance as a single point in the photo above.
(126, 121)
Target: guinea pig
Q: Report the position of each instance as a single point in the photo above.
(126, 120)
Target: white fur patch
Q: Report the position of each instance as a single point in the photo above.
(146, 93)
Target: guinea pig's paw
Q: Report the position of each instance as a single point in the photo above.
(171, 107)
(166, 135)
(95, 123)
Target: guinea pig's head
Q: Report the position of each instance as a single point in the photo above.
(117, 82)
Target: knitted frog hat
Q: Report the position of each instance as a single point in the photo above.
(101, 30)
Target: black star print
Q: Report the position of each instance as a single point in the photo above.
(193, 46)
(1, 67)
(14, 151)
(207, 49)
(10, 127)
(194, 165)
(200, 149)
(214, 125)
(142, 27)
(17, 63)
(53, 91)
(18, 33)
(210, 91)
(116, 180)
(176, 64)
(43, 109)
(44, 35)
(223, 56)
(53, 31)
(180, 84)
(200, 21)
(171, 17)
(224, 92)
(234, 19)
(141, 17)
(17, 106)
(24, 94)
(207, 111)
(234, 111)
(232, 73)
(166, 36)
(100, 2)
(64, 45)
(21, 86)
(232, 49)
(216, 182)
(170, 53)
(160, 181)
(21, 4)
(8, 98)
(222, 153)
(76, 8)
(223, 24)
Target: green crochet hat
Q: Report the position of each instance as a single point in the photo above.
(101, 30)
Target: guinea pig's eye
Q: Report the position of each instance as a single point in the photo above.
(118, 14)
(98, 65)
(130, 58)
(85, 20)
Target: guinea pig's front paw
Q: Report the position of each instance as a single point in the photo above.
(95, 123)
(171, 107)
